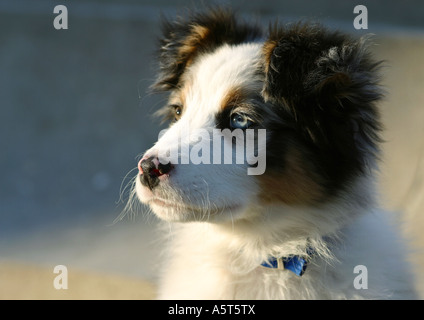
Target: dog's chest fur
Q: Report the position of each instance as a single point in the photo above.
(204, 262)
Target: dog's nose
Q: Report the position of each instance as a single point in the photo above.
(150, 169)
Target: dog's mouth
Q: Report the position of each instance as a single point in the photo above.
(172, 204)
(171, 210)
(167, 204)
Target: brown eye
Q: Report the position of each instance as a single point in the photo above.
(178, 110)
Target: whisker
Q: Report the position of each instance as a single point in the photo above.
(129, 190)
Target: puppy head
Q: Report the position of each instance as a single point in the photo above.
(302, 97)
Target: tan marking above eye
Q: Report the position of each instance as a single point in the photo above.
(233, 97)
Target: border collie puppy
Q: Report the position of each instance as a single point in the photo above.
(305, 225)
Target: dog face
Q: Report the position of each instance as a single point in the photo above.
(296, 107)
(208, 90)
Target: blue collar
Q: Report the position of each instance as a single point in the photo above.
(295, 264)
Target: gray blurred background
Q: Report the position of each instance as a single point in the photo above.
(75, 113)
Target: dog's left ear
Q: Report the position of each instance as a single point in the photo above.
(328, 82)
(186, 38)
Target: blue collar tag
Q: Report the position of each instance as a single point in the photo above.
(295, 264)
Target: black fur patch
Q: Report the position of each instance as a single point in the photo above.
(186, 38)
(329, 84)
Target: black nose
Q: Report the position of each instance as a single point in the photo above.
(150, 169)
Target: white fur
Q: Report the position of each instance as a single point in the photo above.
(220, 234)
(222, 261)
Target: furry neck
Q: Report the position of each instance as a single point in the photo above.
(279, 230)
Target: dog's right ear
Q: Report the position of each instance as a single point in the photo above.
(185, 39)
